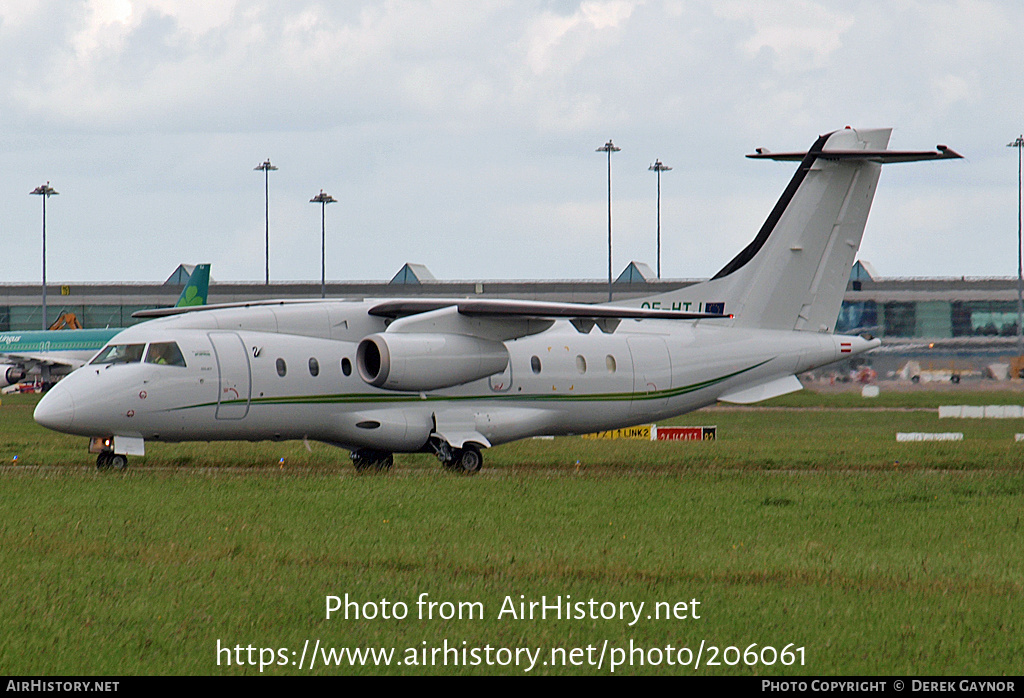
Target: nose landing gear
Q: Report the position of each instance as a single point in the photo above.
(109, 459)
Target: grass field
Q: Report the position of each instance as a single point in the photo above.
(805, 525)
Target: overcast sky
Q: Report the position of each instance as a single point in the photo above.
(462, 134)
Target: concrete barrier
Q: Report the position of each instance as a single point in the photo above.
(981, 411)
(925, 436)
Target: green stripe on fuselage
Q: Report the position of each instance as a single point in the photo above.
(350, 398)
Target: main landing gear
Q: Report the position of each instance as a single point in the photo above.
(109, 459)
(466, 460)
(365, 459)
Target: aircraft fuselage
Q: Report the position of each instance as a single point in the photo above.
(246, 384)
(453, 376)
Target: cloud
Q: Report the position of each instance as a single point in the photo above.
(557, 42)
(799, 35)
(451, 129)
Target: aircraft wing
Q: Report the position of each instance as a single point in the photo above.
(181, 310)
(492, 308)
(497, 308)
(501, 319)
(29, 360)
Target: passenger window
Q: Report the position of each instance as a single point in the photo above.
(609, 361)
(120, 354)
(165, 353)
(282, 367)
(314, 367)
(346, 367)
(581, 363)
(535, 364)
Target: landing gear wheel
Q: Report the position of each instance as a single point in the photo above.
(119, 461)
(103, 460)
(468, 460)
(372, 460)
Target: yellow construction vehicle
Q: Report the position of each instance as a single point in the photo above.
(67, 321)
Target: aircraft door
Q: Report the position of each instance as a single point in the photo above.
(652, 370)
(235, 376)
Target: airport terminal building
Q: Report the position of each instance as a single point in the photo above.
(971, 320)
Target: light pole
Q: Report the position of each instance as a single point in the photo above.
(609, 148)
(45, 191)
(266, 167)
(1018, 144)
(659, 167)
(323, 199)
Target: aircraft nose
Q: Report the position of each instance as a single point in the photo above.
(56, 410)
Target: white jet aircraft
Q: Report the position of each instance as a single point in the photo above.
(453, 376)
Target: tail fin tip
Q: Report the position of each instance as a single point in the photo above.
(793, 274)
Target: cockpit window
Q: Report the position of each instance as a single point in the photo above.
(165, 353)
(120, 354)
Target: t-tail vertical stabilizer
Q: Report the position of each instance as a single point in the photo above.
(793, 275)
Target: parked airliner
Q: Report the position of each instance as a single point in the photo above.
(51, 354)
(454, 376)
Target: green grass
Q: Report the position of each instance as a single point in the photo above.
(797, 526)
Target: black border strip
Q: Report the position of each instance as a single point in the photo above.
(758, 242)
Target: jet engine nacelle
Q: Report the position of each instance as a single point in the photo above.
(10, 374)
(415, 361)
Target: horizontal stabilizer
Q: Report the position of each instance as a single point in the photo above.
(880, 156)
(793, 274)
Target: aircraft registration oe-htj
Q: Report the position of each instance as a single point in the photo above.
(451, 376)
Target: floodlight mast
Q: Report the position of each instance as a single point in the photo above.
(609, 148)
(1018, 144)
(45, 191)
(323, 199)
(659, 167)
(267, 168)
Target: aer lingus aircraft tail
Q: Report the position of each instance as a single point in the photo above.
(792, 276)
(197, 289)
